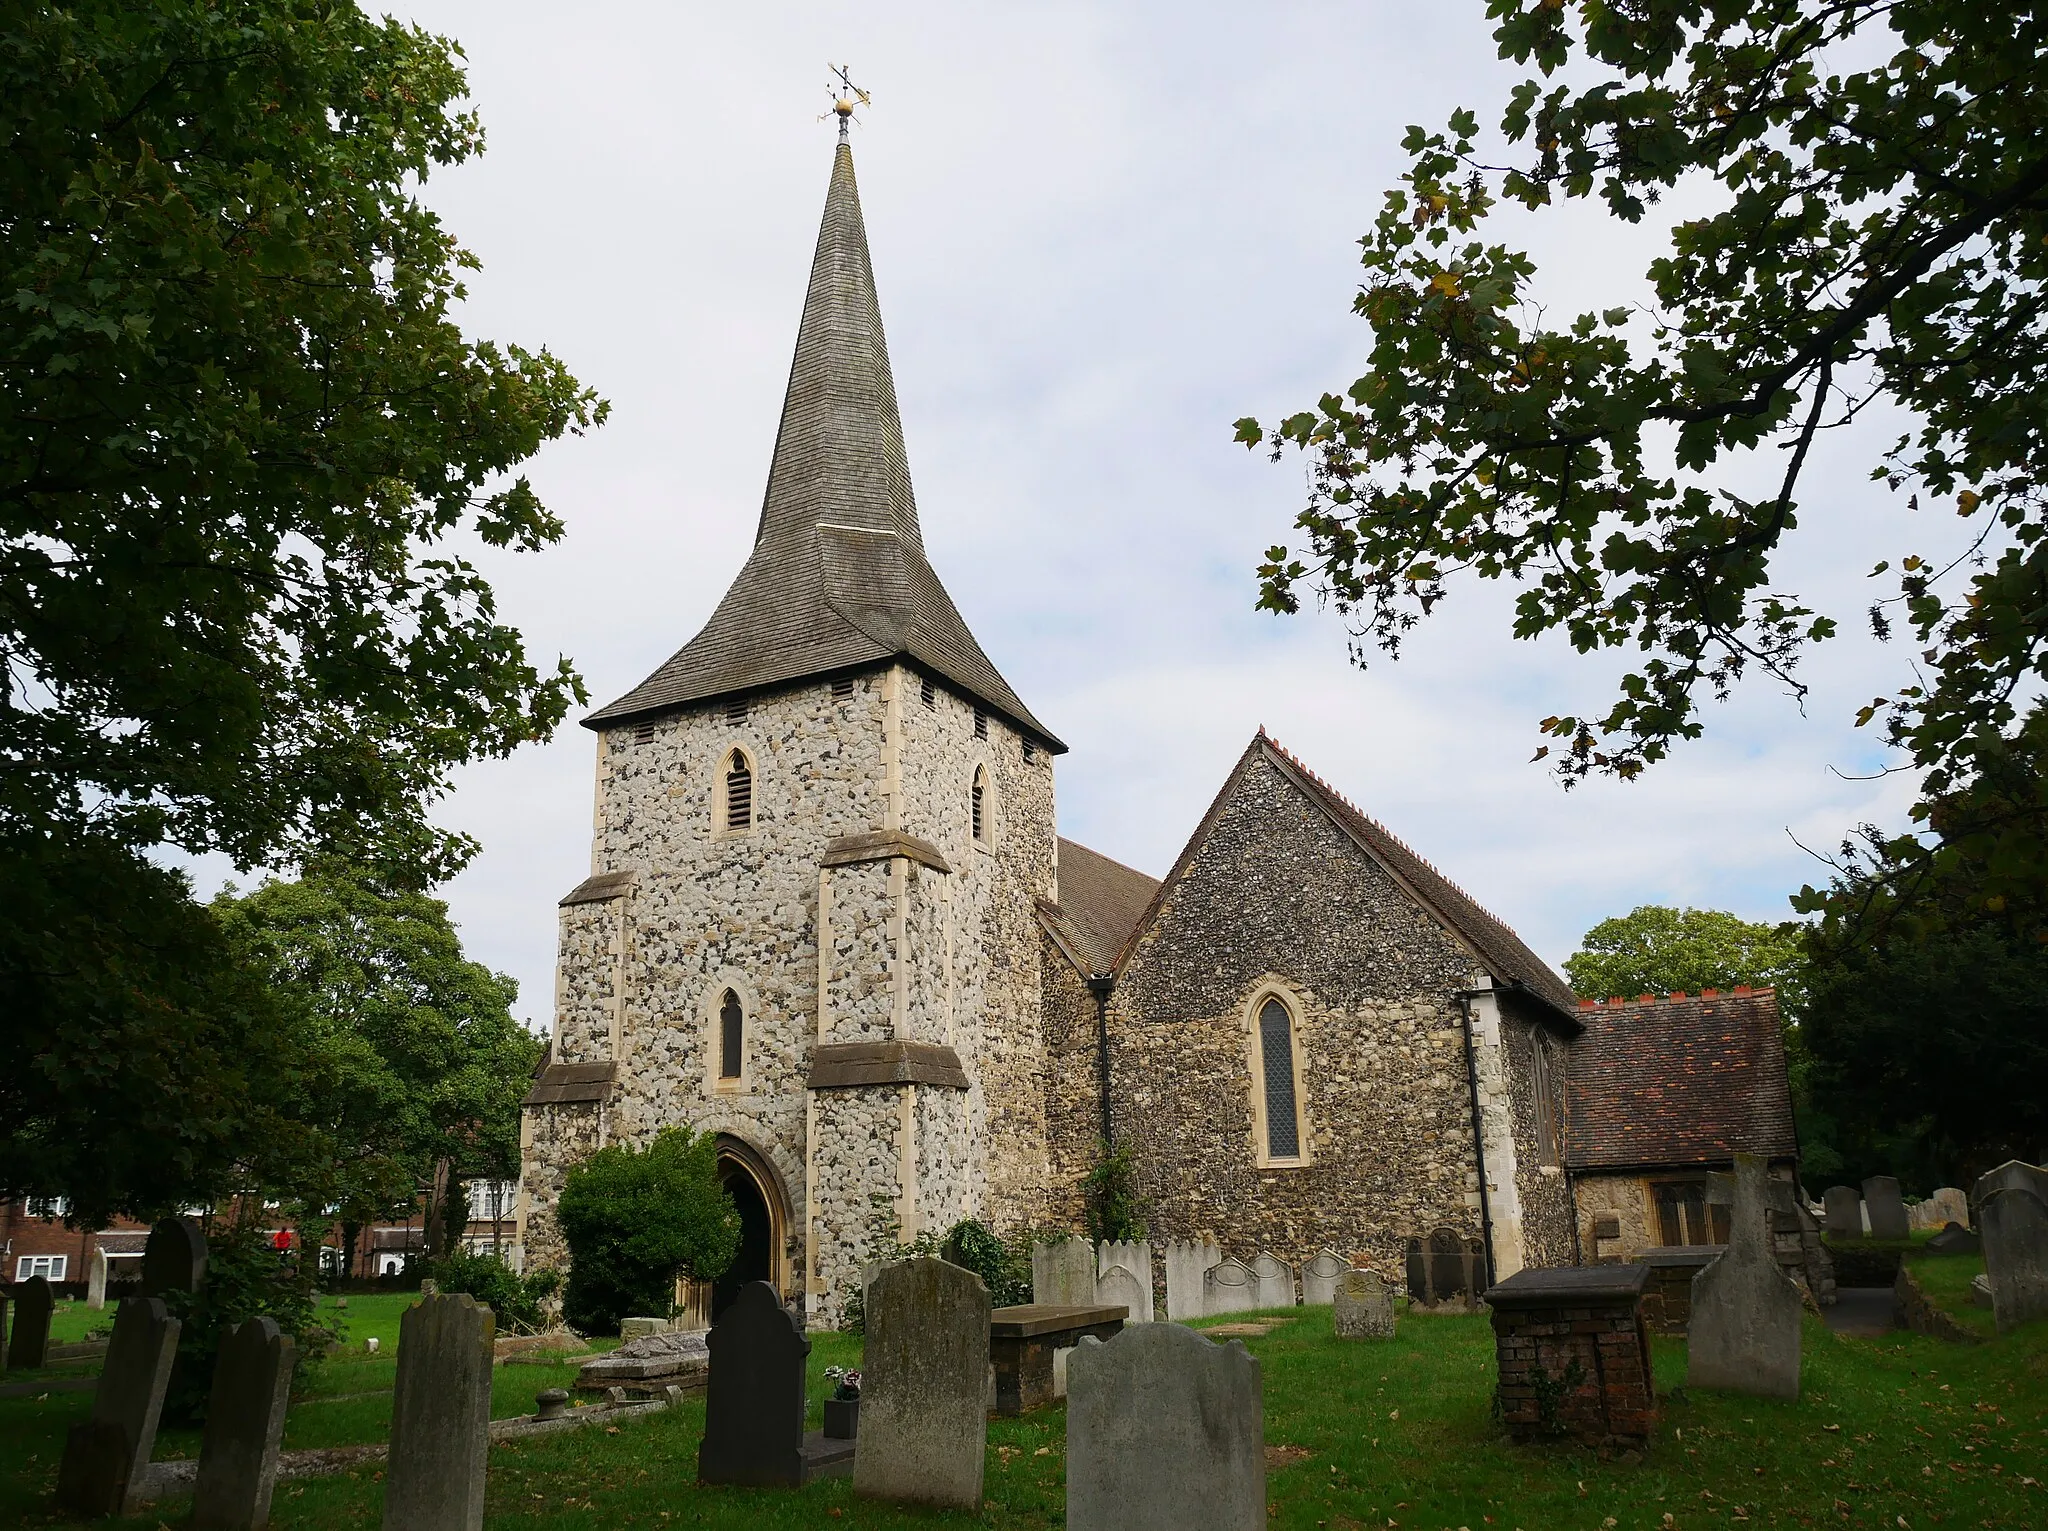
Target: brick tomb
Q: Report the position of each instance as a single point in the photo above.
(1574, 1355)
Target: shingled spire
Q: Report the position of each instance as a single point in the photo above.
(838, 578)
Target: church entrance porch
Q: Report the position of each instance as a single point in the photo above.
(756, 1195)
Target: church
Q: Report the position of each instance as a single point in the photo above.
(830, 919)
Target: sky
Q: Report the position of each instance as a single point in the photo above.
(1101, 235)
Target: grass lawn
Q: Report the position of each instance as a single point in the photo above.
(1946, 1281)
(1359, 1434)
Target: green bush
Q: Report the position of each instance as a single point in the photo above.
(637, 1218)
(1003, 1265)
(516, 1300)
(1114, 1211)
(245, 1279)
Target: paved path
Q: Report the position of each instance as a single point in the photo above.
(1862, 1310)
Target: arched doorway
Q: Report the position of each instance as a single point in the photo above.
(756, 1195)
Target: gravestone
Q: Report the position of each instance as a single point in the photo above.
(1118, 1286)
(1947, 1205)
(1165, 1432)
(96, 1280)
(1844, 1212)
(1276, 1281)
(174, 1259)
(1134, 1256)
(440, 1417)
(252, 1380)
(1063, 1274)
(1743, 1334)
(631, 1329)
(1955, 1239)
(3, 1329)
(1363, 1308)
(1187, 1262)
(29, 1345)
(754, 1405)
(1886, 1208)
(925, 1386)
(1319, 1279)
(1229, 1286)
(105, 1457)
(2012, 1215)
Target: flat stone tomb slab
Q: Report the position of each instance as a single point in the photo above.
(440, 1417)
(244, 1422)
(924, 1387)
(1023, 1342)
(107, 1455)
(755, 1403)
(1165, 1432)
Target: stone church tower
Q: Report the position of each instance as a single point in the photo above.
(821, 833)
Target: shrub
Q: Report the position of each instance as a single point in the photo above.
(245, 1279)
(1003, 1265)
(1114, 1211)
(516, 1300)
(637, 1218)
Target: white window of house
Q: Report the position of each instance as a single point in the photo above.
(389, 1264)
(1278, 1121)
(48, 1206)
(736, 792)
(49, 1267)
(490, 1201)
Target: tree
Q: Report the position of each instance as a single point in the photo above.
(638, 1218)
(1868, 186)
(243, 444)
(1658, 950)
(410, 1062)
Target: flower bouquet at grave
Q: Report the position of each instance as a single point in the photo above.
(845, 1383)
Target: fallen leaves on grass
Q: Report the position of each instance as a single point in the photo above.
(1286, 1456)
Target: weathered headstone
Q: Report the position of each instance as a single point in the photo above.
(1134, 1256)
(1118, 1286)
(440, 1417)
(1063, 1274)
(1886, 1209)
(924, 1387)
(1165, 1432)
(29, 1346)
(1955, 1239)
(1276, 1281)
(1229, 1286)
(1363, 1308)
(96, 1280)
(1319, 1278)
(105, 1456)
(631, 1329)
(1844, 1212)
(1743, 1335)
(754, 1406)
(174, 1259)
(2012, 1215)
(1187, 1262)
(552, 1403)
(1947, 1205)
(252, 1381)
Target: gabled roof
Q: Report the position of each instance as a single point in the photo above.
(838, 578)
(1508, 961)
(1101, 902)
(1683, 1080)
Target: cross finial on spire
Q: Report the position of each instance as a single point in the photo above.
(844, 94)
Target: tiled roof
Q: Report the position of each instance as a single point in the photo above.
(1101, 902)
(838, 579)
(1504, 953)
(1685, 1080)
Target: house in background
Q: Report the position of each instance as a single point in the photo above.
(36, 1242)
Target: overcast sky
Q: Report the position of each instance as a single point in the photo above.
(1102, 233)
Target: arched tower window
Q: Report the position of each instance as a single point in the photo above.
(730, 1017)
(1276, 1061)
(739, 792)
(979, 804)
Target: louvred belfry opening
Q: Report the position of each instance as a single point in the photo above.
(838, 578)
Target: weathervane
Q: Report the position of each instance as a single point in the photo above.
(844, 94)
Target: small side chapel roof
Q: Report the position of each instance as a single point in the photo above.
(1101, 902)
(1508, 960)
(838, 580)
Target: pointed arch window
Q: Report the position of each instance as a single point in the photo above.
(731, 1021)
(1273, 1051)
(739, 792)
(978, 806)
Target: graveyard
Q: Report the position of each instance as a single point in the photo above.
(1356, 1433)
